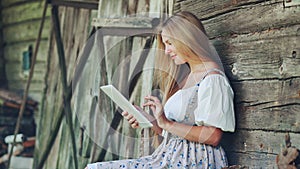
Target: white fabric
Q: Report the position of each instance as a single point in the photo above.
(214, 103)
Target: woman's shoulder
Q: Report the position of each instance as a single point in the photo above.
(215, 79)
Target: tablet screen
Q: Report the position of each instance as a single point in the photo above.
(125, 105)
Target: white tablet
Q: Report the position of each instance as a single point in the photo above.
(125, 105)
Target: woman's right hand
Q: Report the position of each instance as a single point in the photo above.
(135, 124)
(130, 118)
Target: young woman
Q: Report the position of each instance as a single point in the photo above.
(197, 106)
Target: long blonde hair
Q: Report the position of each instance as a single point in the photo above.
(189, 37)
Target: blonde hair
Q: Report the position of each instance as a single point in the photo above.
(183, 30)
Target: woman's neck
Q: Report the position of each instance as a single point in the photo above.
(202, 67)
(196, 73)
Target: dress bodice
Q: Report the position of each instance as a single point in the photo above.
(209, 103)
(181, 105)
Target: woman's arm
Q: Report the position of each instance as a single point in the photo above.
(202, 134)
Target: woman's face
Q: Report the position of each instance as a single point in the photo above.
(171, 51)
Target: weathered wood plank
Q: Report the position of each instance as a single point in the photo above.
(265, 142)
(261, 16)
(268, 104)
(281, 118)
(13, 52)
(252, 159)
(35, 86)
(86, 4)
(26, 31)
(3, 81)
(14, 71)
(54, 149)
(127, 22)
(257, 92)
(208, 9)
(23, 12)
(74, 32)
(7, 3)
(264, 55)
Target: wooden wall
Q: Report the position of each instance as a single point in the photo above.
(75, 28)
(258, 42)
(256, 39)
(20, 24)
(3, 82)
(89, 128)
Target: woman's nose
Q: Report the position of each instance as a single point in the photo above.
(167, 51)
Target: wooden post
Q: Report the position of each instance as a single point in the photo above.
(51, 141)
(3, 79)
(66, 88)
(25, 95)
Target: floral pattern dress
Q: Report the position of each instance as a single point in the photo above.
(209, 103)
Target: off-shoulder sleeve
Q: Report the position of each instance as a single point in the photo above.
(215, 103)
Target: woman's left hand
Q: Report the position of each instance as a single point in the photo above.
(157, 109)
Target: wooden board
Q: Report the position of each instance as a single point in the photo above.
(26, 31)
(15, 72)
(252, 159)
(24, 12)
(8, 3)
(264, 93)
(230, 18)
(263, 55)
(14, 52)
(258, 44)
(279, 119)
(260, 141)
(268, 104)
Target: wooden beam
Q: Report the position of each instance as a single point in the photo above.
(3, 80)
(75, 4)
(66, 88)
(127, 22)
(128, 26)
(113, 31)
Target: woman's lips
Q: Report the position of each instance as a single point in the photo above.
(173, 56)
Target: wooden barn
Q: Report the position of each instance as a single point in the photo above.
(53, 59)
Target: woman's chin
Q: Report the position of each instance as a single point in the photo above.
(178, 62)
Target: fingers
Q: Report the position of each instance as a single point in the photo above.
(149, 103)
(130, 118)
(135, 125)
(152, 101)
(152, 98)
(125, 113)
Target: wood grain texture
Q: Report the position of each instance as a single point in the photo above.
(228, 17)
(3, 80)
(9, 3)
(15, 72)
(24, 12)
(252, 159)
(25, 31)
(281, 119)
(256, 149)
(74, 37)
(264, 93)
(268, 142)
(13, 52)
(261, 55)
(258, 44)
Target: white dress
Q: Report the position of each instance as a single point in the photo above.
(208, 103)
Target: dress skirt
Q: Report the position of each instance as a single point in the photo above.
(174, 153)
